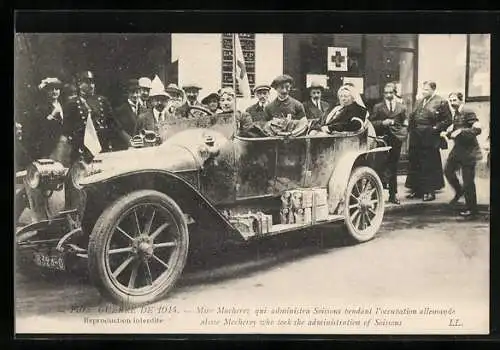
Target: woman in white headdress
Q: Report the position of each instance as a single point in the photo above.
(349, 115)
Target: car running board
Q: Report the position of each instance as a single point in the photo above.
(283, 228)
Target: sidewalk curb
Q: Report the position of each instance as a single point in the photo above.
(409, 207)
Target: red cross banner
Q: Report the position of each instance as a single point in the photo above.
(337, 59)
(241, 72)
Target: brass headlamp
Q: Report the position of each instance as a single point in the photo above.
(47, 174)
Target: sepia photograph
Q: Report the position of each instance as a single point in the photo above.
(252, 183)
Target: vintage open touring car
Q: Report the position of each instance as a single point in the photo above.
(135, 214)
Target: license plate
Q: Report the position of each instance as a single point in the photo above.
(54, 262)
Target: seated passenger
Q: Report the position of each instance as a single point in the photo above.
(349, 115)
(227, 103)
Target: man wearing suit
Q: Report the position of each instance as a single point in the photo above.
(315, 107)
(389, 119)
(192, 92)
(465, 153)
(430, 117)
(151, 119)
(256, 110)
(127, 113)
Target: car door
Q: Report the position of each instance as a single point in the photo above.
(292, 164)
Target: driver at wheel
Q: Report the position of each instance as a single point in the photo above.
(349, 115)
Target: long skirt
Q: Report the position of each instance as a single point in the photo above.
(425, 169)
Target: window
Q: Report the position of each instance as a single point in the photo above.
(478, 67)
(248, 48)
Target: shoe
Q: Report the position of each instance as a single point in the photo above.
(394, 199)
(413, 195)
(468, 214)
(455, 199)
(428, 197)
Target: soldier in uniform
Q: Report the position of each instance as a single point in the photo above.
(256, 110)
(77, 111)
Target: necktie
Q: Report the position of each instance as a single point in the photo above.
(390, 107)
(318, 105)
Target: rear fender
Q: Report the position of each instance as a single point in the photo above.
(374, 158)
(208, 221)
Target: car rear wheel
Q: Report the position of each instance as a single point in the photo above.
(138, 248)
(364, 205)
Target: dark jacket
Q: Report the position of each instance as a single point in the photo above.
(466, 149)
(183, 111)
(126, 120)
(312, 111)
(281, 109)
(399, 115)
(427, 121)
(147, 121)
(344, 119)
(257, 113)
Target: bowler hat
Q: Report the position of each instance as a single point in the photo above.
(316, 85)
(191, 86)
(132, 84)
(145, 82)
(210, 97)
(261, 87)
(281, 80)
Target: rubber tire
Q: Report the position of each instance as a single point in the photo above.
(354, 235)
(102, 229)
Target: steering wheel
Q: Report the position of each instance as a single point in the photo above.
(199, 111)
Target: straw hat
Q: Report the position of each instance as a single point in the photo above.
(157, 88)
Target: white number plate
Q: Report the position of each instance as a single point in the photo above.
(49, 261)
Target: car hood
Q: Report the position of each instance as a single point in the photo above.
(181, 152)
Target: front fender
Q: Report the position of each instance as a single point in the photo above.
(103, 192)
(340, 176)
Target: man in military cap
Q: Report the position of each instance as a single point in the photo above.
(315, 107)
(87, 107)
(192, 91)
(144, 89)
(128, 112)
(256, 110)
(284, 106)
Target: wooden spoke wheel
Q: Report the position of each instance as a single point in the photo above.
(364, 205)
(138, 248)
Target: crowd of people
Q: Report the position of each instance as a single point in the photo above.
(59, 128)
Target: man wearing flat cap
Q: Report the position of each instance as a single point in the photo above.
(192, 91)
(128, 112)
(88, 107)
(256, 110)
(284, 106)
(315, 107)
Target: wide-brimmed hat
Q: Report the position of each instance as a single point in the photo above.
(281, 80)
(191, 86)
(157, 88)
(49, 82)
(261, 87)
(173, 89)
(316, 85)
(144, 83)
(210, 97)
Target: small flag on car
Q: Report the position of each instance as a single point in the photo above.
(90, 140)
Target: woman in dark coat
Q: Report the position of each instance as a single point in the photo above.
(45, 125)
(349, 115)
(430, 117)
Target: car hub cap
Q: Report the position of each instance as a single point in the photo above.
(363, 203)
(142, 250)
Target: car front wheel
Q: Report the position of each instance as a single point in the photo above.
(138, 248)
(364, 205)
